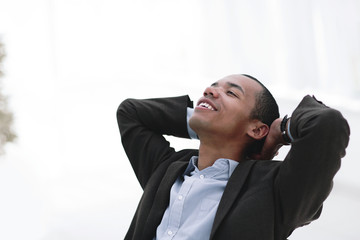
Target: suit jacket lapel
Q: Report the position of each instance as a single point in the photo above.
(232, 190)
(161, 200)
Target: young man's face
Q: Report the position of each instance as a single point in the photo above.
(224, 110)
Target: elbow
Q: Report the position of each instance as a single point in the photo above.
(124, 108)
(334, 128)
(333, 121)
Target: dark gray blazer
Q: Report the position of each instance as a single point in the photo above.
(263, 200)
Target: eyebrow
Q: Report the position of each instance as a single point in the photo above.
(231, 85)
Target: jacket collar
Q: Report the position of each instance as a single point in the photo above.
(231, 192)
(162, 198)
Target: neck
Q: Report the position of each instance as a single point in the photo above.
(210, 151)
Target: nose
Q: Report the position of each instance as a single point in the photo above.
(211, 91)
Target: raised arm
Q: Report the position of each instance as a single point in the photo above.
(143, 123)
(321, 135)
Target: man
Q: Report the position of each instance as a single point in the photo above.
(230, 188)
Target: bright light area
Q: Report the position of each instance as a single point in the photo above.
(70, 63)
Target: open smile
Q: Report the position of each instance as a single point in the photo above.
(206, 104)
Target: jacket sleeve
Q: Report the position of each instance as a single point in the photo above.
(142, 124)
(304, 181)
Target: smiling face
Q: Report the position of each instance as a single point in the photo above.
(225, 108)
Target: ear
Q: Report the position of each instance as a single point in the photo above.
(258, 130)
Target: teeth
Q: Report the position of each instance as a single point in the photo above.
(203, 104)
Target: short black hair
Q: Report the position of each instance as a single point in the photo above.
(266, 110)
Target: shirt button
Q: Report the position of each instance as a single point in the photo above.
(169, 232)
(180, 197)
(201, 176)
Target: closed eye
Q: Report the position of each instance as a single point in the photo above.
(231, 93)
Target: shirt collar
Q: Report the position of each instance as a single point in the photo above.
(192, 166)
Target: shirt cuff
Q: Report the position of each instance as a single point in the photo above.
(191, 132)
(288, 131)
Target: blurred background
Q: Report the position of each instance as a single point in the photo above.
(69, 63)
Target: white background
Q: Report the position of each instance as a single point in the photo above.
(71, 62)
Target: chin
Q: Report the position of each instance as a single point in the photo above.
(193, 122)
(197, 124)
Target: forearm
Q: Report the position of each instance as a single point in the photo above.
(320, 136)
(143, 123)
(161, 115)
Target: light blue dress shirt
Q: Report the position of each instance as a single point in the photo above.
(194, 199)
